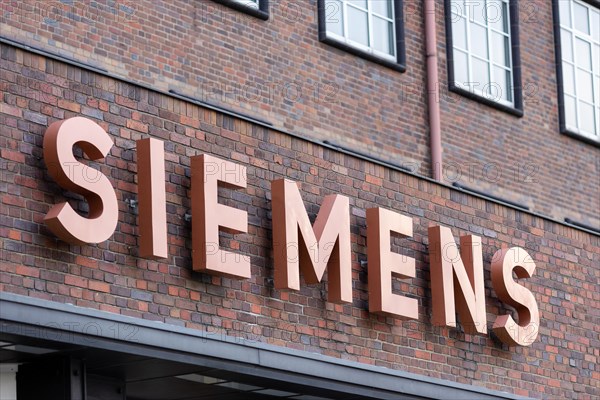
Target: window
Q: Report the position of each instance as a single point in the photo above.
(249, 3)
(577, 38)
(257, 8)
(368, 28)
(482, 51)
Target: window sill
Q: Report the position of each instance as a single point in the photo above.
(513, 110)
(261, 12)
(361, 53)
(580, 137)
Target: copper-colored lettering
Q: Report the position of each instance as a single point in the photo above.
(383, 263)
(506, 261)
(210, 216)
(70, 174)
(448, 269)
(329, 237)
(152, 198)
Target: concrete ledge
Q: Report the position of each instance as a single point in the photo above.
(66, 323)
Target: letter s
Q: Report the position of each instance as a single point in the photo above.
(504, 262)
(63, 221)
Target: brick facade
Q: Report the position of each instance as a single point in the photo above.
(562, 363)
(278, 71)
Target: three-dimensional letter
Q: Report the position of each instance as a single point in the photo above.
(448, 269)
(72, 175)
(210, 216)
(506, 261)
(152, 198)
(330, 237)
(383, 263)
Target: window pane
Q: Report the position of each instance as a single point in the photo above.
(334, 17)
(459, 32)
(359, 3)
(568, 79)
(500, 53)
(500, 88)
(596, 25)
(382, 7)
(461, 68)
(586, 118)
(570, 112)
(497, 12)
(477, 10)
(580, 18)
(357, 26)
(596, 59)
(509, 81)
(584, 85)
(382, 35)
(566, 43)
(479, 41)
(565, 12)
(584, 56)
(458, 7)
(248, 3)
(481, 75)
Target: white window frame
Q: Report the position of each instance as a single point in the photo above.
(490, 62)
(256, 8)
(368, 49)
(595, 71)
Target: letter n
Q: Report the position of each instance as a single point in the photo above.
(453, 280)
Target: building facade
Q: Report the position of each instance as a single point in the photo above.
(482, 117)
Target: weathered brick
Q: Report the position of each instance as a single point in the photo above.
(35, 117)
(370, 117)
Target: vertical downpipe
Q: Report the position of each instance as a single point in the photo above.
(433, 98)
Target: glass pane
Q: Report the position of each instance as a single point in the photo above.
(477, 10)
(566, 44)
(382, 35)
(580, 18)
(565, 12)
(586, 118)
(596, 25)
(357, 26)
(459, 32)
(461, 68)
(382, 7)
(501, 87)
(584, 85)
(597, 89)
(500, 53)
(479, 41)
(458, 7)
(481, 75)
(497, 13)
(359, 3)
(596, 59)
(584, 56)
(333, 17)
(568, 79)
(570, 112)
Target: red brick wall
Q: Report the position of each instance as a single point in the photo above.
(523, 159)
(562, 363)
(278, 71)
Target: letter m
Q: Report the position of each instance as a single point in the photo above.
(454, 281)
(299, 246)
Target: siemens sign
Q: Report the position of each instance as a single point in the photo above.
(457, 282)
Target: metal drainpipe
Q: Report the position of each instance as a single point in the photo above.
(433, 98)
